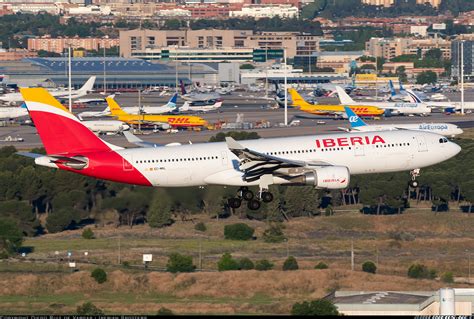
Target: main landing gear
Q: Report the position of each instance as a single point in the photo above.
(414, 174)
(253, 202)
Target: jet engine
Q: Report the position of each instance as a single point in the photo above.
(330, 177)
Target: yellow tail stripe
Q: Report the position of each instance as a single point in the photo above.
(41, 95)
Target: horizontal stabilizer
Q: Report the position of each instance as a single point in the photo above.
(28, 154)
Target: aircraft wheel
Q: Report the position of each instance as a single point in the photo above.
(253, 204)
(414, 183)
(235, 202)
(247, 195)
(267, 197)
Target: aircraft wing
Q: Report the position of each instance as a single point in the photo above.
(255, 164)
(131, 138)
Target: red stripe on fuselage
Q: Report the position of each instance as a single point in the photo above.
(110, 166)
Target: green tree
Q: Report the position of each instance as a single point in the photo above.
(11, 237)
(99, 275)
(247, 66)
(321, 265)
(61, 219)
(180, 263)
(447, 277)
(369, 267)
(419, 271)
(301, 201)
(263, 265)
(274, 233)
(426, 77)
(227, 263)
(89, 309)
(319, 307)
(246, 264)
(239, 231)
(401, 74)
(88, 234)
(200, 227)
(290, 264)
(159, 213)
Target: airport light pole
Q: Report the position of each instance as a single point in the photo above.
(69, 77)
(286, 87)
(462, 77)
(105, 83)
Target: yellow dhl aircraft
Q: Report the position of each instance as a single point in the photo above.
(360, 110)
(172, 120)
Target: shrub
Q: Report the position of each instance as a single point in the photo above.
(321, 265)
(89, 309)
(180, 263)
(238, 231)
(246, 264)
(164, 312)
(420, 271)
(263, 265)
(274, 234)
(88, 234)
(99, 275)
(369, 267)
(125, 264)
(290, 264)
(447, 277)
(227, 263)
(200, 227)
(319, 307)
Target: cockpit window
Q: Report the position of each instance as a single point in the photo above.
(443, 140)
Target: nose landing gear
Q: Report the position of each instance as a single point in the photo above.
(414, 174)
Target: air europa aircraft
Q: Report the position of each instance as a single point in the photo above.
(173, 120)
(323, 161)
(361, 110)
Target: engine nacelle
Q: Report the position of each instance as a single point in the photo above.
(330, 177)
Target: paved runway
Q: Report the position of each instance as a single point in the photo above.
(252, 109)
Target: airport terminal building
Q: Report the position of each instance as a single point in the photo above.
(120, 73)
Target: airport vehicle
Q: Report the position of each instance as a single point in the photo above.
(358, 125)
(10, 138)
(106, 127)
(7, 113)
(201, 106)
(337, 110)
(396, 108)
(166, 121)
(323, 161)
(15, 97)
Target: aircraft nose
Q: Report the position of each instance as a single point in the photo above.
(125, 127)
(455, 149)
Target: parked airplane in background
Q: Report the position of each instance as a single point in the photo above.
(196, 96)
(446, 106)
(338, 110)
(201, 106)
(392, 107)
(7, 113)
(106, 127)
(12, 98)
(165, 121)
(323, 161)
(358, 125)
(394, 96)
(167, 108)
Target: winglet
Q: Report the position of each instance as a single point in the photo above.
(354, 119)
(233, 144)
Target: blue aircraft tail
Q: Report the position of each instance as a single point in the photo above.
(401, 86)
(183, 90)
(392, 88)
(354, 119)
(173, 100)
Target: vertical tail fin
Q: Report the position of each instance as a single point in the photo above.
(414, 98)
(392, 88)
(173, 100)
(344, 98)
(89, 85)
(183, 90)
(297, 98)
(114, 108)
(354, 119)
(60, 131)
(401, 86)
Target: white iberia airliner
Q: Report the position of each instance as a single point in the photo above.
(323, 161)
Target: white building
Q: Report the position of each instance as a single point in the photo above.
(95, 10)
(173, 13)
(267, 11)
